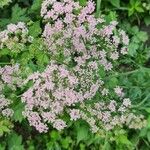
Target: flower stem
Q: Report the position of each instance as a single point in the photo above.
(142, 102)
(98, 6)
(5, 63)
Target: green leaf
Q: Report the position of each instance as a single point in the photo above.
(147, 20)
(143, 36)
(115, 3)
(132, 2)
(4, 51)
(143, 132)
(148, 136)
(15, 142)
(147, 109)
(35, 29)
(18, 109)
(133, 47)
(82, 132)
(4, 3)
(3, 129)
(131, 11)
(134, 30)
(36, 5)
(5, 126)
(122, 139)
(42, 58)
(65, 142)
(18, 14)
(111, 17)
(82, 2)
(2, 147)
(55, 135)
(113, 82)
(139, 9)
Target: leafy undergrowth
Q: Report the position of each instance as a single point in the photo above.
(32, 57)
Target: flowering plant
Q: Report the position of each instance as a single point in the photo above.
(81, 47)
(64, 73)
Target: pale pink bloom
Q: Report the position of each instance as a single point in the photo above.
(126, 102)
(108, 66)
(119, 91)
(105, 91)
(7, 112)
(58, 7)
(74, 114)
(114, 56)
(11, 28)
(112, 106)
(124, 50)
(59, 124)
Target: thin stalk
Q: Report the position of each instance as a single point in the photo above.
(142, 102)
(98, 7)
(106, 141)
(5, 63)
(129, 72)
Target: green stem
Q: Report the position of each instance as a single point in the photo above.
(129, 72)
(106, 141)
(142, 102)
(5, 63)
(123, 74)
(98, 6)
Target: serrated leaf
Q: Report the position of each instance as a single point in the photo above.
(18, 14)
(42, 58)
(35, 29)
(15, 142)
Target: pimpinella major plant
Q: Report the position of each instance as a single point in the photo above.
(81, 52)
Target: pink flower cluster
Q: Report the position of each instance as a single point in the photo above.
(4, 106)
(54, 90)
(10, 75)
(15, 35)
(74, 30)
(10, 78)
(87, 43)
(72, 84)
(110, 115)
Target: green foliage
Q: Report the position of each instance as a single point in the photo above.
(35, 29)
(5, 126)
(15, 142)
(133, 74)
(4, 3)
(115, 3)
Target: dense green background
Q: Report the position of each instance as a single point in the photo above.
(133, 74)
